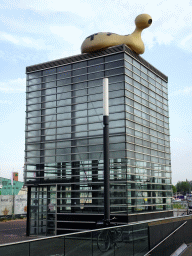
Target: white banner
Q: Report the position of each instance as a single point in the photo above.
(20, 204)
(6, 204)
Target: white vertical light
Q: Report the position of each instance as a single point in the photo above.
(105, 97)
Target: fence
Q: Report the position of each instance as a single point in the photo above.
(135, 239)
(132, 239)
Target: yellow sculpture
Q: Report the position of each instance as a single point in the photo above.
(102, 40)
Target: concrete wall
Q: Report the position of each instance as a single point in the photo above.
(161, 229)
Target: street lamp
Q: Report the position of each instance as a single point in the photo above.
(106, 152)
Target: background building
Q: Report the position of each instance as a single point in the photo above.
(6, 187)
(64, 141)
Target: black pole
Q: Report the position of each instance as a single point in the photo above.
(106, 152)
(106, 171)
(28, 211)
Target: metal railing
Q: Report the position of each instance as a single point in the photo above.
(131, 237)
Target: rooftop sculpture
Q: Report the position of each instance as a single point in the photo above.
(103, 40)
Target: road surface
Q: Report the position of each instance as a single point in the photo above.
(13, 231)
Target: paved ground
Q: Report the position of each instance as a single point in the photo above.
(187, 251)
(13, 231)
(179, 212)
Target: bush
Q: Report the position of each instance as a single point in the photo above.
(2, 219)
(178, 206)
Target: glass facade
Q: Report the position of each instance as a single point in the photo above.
(64, 139)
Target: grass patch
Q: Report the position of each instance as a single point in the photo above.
(4, 219)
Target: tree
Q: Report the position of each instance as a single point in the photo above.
(174, 189)
(183, 187)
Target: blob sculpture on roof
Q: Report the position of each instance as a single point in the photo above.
(103, 40)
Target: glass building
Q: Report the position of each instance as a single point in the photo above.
(64, 141)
